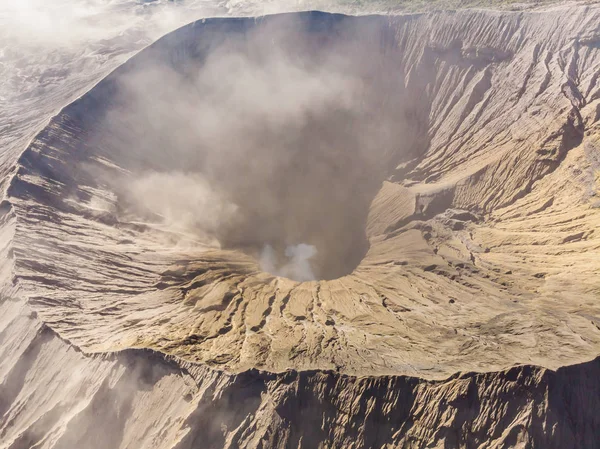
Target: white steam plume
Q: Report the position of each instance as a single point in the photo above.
(297, 267)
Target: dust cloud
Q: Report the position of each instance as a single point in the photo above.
(272, 141)
(275, 134)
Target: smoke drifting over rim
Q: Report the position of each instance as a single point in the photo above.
(270, 141)
(60, 24)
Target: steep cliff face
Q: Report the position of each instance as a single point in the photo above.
(55, 396)
(445, 166)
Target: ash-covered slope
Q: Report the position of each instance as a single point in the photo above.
(445, 166)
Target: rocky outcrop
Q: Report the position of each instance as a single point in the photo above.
(452, 197)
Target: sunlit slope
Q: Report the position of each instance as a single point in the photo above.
(478, 206)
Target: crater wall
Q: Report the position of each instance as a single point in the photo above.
(444, 166)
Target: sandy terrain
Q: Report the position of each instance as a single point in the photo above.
(444, 166)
